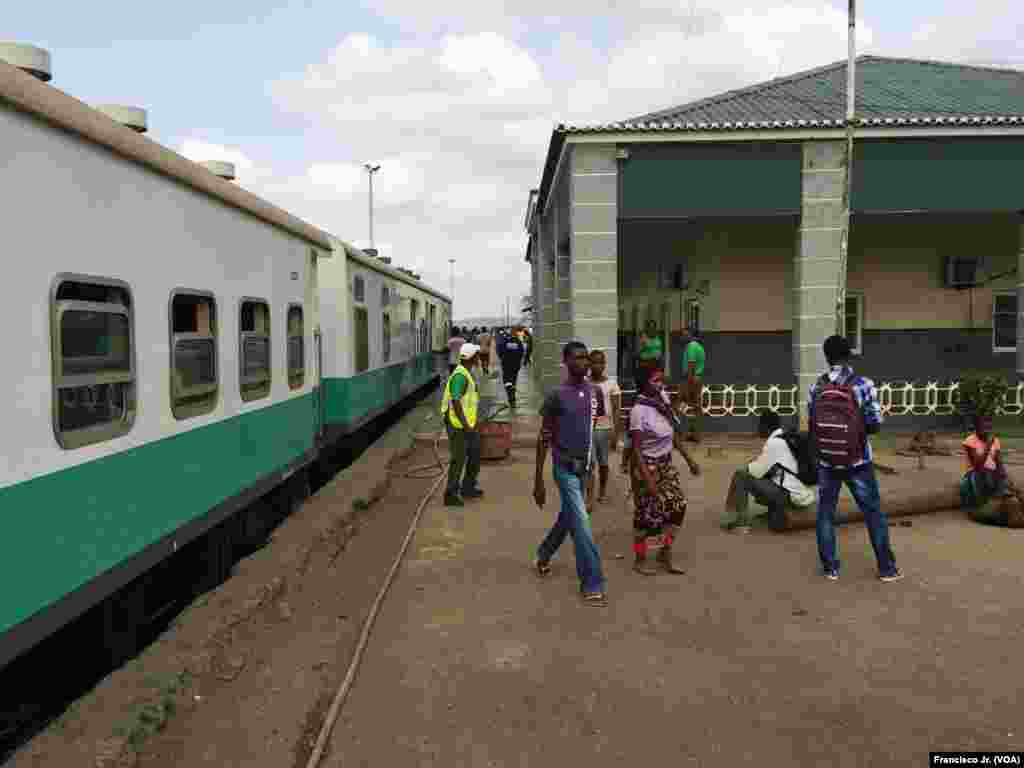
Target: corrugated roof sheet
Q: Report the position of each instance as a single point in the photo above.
(890, 92)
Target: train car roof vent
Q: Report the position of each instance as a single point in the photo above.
(132, 117)
(27, 58)
(220, 168)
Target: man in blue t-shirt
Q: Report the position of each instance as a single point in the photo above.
(568, 428)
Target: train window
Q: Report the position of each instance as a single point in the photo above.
(384, 296)
(92, 337)
(254, 349)
(359, 288)
(362, 335)
(386, 341)
(194, 371)
(296, 347)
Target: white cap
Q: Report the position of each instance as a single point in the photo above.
(468, 350)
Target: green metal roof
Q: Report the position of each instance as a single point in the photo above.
(889, 92)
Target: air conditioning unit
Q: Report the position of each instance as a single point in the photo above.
(962, 271)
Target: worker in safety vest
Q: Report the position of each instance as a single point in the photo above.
(459, 411)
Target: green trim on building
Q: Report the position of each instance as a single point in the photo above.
(687, 180)
(939, 175)
(64, 529)
(352, 400)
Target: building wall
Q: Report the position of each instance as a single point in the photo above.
(898, 263)
(914, 327)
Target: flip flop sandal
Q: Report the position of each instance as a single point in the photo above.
(670, 568)
(644, 569)
(543, 569)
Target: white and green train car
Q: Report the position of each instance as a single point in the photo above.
(164, 354)
(384, 337)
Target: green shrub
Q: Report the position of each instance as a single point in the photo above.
(981, 395)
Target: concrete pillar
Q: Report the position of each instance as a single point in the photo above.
(1020, 295)
(546, 352)
(593, 249)
(816, 267)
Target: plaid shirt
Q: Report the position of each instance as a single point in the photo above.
(867, 397)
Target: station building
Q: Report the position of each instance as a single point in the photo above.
(725, 214)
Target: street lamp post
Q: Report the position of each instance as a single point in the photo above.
(451, 280)
(370, 170)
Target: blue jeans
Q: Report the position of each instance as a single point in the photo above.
(573, 520)
(864, 486)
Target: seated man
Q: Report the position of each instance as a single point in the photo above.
(771, 479)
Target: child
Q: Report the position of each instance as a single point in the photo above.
(606, 424)
(985, 476)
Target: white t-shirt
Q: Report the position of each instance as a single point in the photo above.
(607, 388)
(776, 451)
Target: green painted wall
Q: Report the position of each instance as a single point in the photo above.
(708, 179)
(349, 400)
(63, 530)
(939, 175)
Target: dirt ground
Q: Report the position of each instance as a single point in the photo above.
(751, 657)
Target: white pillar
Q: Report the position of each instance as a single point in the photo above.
(817, 263)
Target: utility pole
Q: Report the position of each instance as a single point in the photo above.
(370, 170)
(851, 90)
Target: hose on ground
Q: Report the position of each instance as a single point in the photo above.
(346, 684)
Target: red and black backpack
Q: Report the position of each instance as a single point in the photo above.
(838, 425)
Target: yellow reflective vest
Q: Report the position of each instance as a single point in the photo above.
(469, 399)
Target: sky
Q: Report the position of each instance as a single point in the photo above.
(454, 99)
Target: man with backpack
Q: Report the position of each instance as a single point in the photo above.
(780, 476)
(843, 410)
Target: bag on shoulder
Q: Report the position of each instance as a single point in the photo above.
(802, 448)
(838, 427)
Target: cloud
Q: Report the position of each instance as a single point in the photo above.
(458, 107)
(987, 32)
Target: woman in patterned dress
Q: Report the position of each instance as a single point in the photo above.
(660, 504)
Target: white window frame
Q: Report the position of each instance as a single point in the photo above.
(248, 392)
(97, 433)
(858, 297)
(180, 409)
(996, 349)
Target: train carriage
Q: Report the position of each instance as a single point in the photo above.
(384, 333)
(181, 356)
(160, 323)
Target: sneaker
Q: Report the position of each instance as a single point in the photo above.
(453, 501)
(472, 493)
(832, 574)
(543, 567)
(741, 529)
(893, 575)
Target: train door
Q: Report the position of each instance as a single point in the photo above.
(313, 304)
